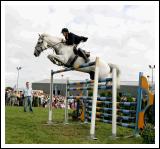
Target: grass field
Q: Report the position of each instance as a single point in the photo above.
(30, 128)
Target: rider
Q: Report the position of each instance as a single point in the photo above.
(72, 39)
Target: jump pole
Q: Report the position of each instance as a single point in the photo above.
(95, 92)
(51, 89)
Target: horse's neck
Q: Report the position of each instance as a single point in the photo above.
(55, 42)
(59, 48)
(52, 41)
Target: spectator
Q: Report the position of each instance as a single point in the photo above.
(6, 97)
(21, 98)
(27, 97)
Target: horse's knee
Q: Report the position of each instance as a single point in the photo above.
(50, 56)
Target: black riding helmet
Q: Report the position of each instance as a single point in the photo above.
(64, 30)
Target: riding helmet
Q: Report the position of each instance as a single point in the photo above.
(64, 30)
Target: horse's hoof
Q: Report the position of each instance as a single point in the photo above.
(59, 62)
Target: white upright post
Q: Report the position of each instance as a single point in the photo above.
(114, 102)
(94, 101)
(50, 102)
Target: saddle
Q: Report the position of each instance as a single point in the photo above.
(80, 51)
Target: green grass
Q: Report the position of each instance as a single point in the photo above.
(30, 128)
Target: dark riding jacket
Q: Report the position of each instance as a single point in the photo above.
(75, 39)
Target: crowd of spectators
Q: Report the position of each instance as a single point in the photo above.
(58, 101)
(39, 99)
(13, 98)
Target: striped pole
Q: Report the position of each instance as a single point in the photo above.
(138, 109)
(100, 87)
(74, 68)
(91, 81)
(85, 103)
(114, 101)
(95, 92)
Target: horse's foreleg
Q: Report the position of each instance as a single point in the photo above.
(56, 59)
(59, 58)
(51, 58)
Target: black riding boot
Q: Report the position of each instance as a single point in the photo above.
(82, 53)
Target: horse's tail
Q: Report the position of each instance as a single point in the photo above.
(118, 73)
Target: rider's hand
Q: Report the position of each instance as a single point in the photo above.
(84, 39)
(75, 45)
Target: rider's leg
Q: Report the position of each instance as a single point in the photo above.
(75, 49)
(82, 53)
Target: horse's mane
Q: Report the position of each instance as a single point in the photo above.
(45, 34)
(54, 38)
(51, 37)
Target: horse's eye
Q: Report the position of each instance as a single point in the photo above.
(39, 42)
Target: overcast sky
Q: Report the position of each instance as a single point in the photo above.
(120, 34)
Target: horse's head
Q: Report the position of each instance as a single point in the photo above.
(41, 45)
